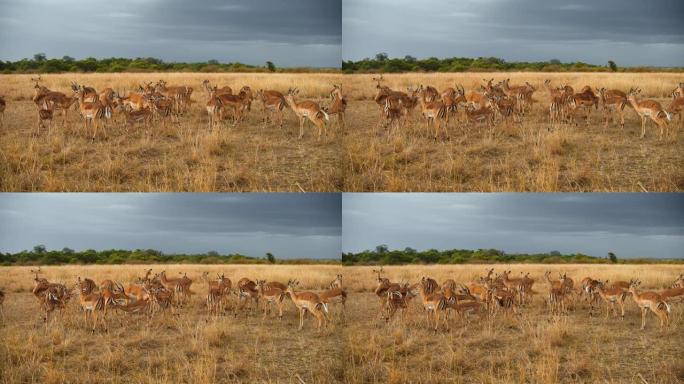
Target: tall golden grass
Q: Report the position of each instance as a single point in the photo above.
(531, 156)
(178, 157)
(532, 347)
(192, 347)
(357, 347)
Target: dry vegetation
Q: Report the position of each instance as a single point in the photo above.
(532, 156)
(532, 347)
(178, 157)
(191, 348)
(357, 347)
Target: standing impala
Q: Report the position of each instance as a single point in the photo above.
(91, 304)
(613, 101)
(307, 109)
(307, 302)
(433, 112)
(650, 301)
(339, 104)
(273, 103)
(648, 109)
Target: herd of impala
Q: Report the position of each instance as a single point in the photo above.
(490, 295)
(165, 103)
(501, 102)
(160, 295)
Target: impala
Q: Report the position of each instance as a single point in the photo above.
(611, 296)
(90, 111)
(307, 302)
(433, 112)
(337, 283)
(679, 282)
(307, 109)
(613, 100)
(273, 103)
(271, 296)
(433, 303)
(91, 304)
(516, 284)
(214, 108)
(334, 295)
(223, 90)
(672, 294)
(650, 301)
(676, 106)
(648, 109)
(339, 105)
(237, 104)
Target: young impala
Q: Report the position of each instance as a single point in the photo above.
(650, 301)
(648, 109)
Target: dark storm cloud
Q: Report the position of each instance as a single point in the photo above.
(289, 33)
(632, 225)
(631, 32)
(289, 225)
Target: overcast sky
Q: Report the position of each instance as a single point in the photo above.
(631, 225)
(289, 33)
(630, 32)
(288, 225)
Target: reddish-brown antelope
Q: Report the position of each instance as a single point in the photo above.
(271, 296)
(434, 112)
(91, 304)
(339, 105)
(650, 301)
(648, 109)
(613, 101)
(273, 104)
(307, 302)
(611, 296)
(307, 109)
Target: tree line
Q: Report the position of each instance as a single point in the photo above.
(40, 63)
(39, 255)
(383, 255)
(383, 63)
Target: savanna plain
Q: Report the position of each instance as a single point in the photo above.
(180, 154)
(517, 153)
(357, 346)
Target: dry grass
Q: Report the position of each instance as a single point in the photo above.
(532, 156)
(180, 157)
(191, 348)
(532, 347)
(356, 348)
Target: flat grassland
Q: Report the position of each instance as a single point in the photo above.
(190, 348)
(357, 346)
(175, 157)
(532, 347)
(529, 156)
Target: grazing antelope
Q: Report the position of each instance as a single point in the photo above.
(236, 104)
(273, 103)
(247, 291)
(308, 302)
(398, 99)
(307, 109)
(271, 296)
(113, 295)
(339, 105)
(648, 109)
(611, 296)
(91, 304)
(482, 115)
(589, 291)
(650, 301)
(392, 112)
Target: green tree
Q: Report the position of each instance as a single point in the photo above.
(613, 67)
(39, 249)
(381, 249)
(271, 259)
(212, 253)
(271, 67)
(382, 57)
(68, 59)
(67, 251)
(613, 258)
(39, 57)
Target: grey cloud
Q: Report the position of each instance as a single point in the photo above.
(631, 32)
(632, 225)
(289, 225)
(290, 33)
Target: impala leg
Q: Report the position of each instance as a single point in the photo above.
(643, 126)
(643, 318)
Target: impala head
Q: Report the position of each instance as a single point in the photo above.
(378, 80)
(292, 284)
(633, 92)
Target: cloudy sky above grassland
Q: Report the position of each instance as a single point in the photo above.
(631, 225)
(630, 32)
(289, 33)
(288, 225)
